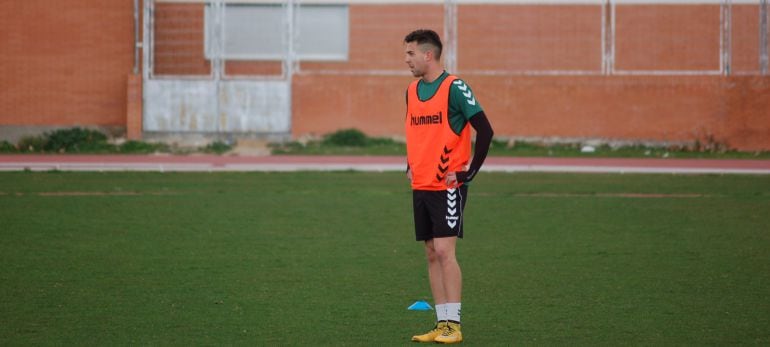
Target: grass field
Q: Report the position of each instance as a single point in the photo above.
(329, 259)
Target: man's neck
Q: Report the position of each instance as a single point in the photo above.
(433, 75)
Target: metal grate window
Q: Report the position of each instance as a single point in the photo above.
(257, 32)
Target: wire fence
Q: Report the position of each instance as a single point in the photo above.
(580, 37)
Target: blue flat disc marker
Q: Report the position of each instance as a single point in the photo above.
(420, 306)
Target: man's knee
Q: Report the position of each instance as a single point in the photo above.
(430, 252)
(444, 253)
(445, 256)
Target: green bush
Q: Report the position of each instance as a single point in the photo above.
(32, 144)
(217, 147)
(7, 147)
(346, 138)
(142, 147)
(76, 140)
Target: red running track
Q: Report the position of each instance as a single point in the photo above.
(366, 163)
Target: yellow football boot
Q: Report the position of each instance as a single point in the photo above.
(431, 335)
(451, 334)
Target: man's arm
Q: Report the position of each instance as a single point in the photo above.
(484, 134)
(406, 99)
(408, 172)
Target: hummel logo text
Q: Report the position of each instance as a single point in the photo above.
(426, 120)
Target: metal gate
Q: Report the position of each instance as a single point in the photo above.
(192, 83)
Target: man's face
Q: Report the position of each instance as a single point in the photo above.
(416, 59)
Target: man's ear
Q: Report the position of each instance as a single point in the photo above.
(429, 55)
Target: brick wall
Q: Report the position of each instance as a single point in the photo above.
(529, 37)
(65, 63)
(653, 37)
(134, 107)
(517, 40)
(745, 27)
(730, 110)
(179, 45)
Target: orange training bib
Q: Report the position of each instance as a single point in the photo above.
(433, 149)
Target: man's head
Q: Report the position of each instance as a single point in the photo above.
(423, 51)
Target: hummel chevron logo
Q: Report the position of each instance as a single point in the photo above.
(451, 218)
(444, 160)
(451, 197)
(442, 168)
(471, 100)
(447, 151)
(468, 95)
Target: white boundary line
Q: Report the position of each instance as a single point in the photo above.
(292, 167)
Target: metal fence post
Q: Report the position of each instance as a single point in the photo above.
(608, 38)
(289, 57)
(763, 59)
(147, 40)
(725, 37)
(137, 43)
(450, 35)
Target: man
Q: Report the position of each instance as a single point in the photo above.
(440, 108)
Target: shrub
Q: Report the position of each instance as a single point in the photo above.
(76, 140)
(133, 146)
(7, 147)
(346, 138)
(217, 147)
(31, 144)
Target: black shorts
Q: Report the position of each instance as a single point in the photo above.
(439, 213)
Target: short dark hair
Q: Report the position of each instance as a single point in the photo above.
(426, 36)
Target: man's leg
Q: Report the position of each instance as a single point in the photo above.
(423, 229)
(443, 270)
(450, 274)
(435, 274)
(451, 279)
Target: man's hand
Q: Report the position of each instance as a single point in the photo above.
(451, 180)
(409, 175)
(455, 178)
